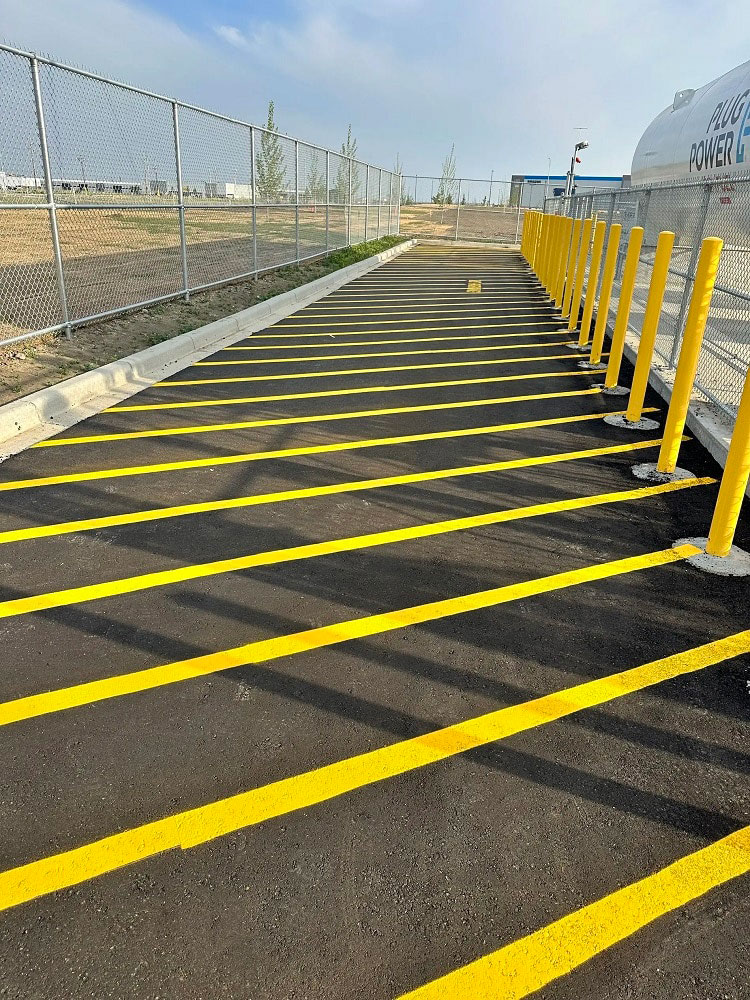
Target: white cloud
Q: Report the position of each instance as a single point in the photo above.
(508, 82)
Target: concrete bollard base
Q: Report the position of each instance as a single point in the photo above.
(737, 563)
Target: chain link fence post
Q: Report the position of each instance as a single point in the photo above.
(349, 206)
(296, 197)
(367, 199)
(700, 232)
(180, 200)
(398, 215)
(380, 183)
(458, 207)
(328, 199)
(254, 196)
(49, 188)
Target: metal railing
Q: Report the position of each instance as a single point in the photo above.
(114, 198)
(692, 210)
(463, 208)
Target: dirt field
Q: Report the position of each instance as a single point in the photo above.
(115, 257)
(46, 360)
(500, 224)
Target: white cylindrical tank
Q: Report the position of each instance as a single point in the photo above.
(703, 133)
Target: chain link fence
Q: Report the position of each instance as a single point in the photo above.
(692, 210)
(113, 198)
(461, 208)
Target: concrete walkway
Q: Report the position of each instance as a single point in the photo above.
(283, 643)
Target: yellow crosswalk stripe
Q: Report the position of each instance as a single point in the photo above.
(325, 393)
(215, 461)
(355, 543)
(217, 819)
(544, 317)
(366, 343)
(341, 372)
(331, 489)
(304, 419)
(386, 354)
(530, 963)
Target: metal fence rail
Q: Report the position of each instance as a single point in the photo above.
(462, 208)
(113, 198)
(692, 210)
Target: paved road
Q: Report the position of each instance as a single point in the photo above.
(274, 637)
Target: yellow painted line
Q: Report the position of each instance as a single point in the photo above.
(357, 298)
(434, 329)
(258, 456)
(355, 543)
(439, 308)
(428, 319)
(325, 393)
(377, 343)
(307, 419)
(532, 962)
(301, 791)
(474, 287)
(367, 371)
(385, 354)
(333, 489)
(402, 340)
(324, 636)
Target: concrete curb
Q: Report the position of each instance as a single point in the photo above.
(48, 411)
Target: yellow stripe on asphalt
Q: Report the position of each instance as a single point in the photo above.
(311, 418)
(301, 791)
(323, 393)
(386, 354)
(532, 962)
(402, 340)
(264, 650)
(369, 371)
(359, 298)
(377, 343)
(199, 571)
(442, 309)
(428, 319)
(258, 456)
(333, 489)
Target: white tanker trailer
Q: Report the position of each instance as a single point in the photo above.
(703, 133)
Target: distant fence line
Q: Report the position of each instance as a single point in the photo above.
(692, 210)
(462, 208)
(114, 198)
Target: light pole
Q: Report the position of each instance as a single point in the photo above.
(572, 172)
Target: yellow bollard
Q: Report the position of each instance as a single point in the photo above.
(687, 366)
(541, 255)
(583, 253)
(571, 271)
(534, 241)
(733, 482)
(602, 312)
(554, 256)
(623, 309)
(596, 260)
(660, 271)
(547, 251)
(567, 227)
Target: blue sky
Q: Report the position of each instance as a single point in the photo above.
(507, 82)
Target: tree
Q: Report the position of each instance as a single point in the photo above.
(447, 185)
(315, 188)
(348, 152)
(270, 174)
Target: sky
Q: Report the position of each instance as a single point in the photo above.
(512, 84)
